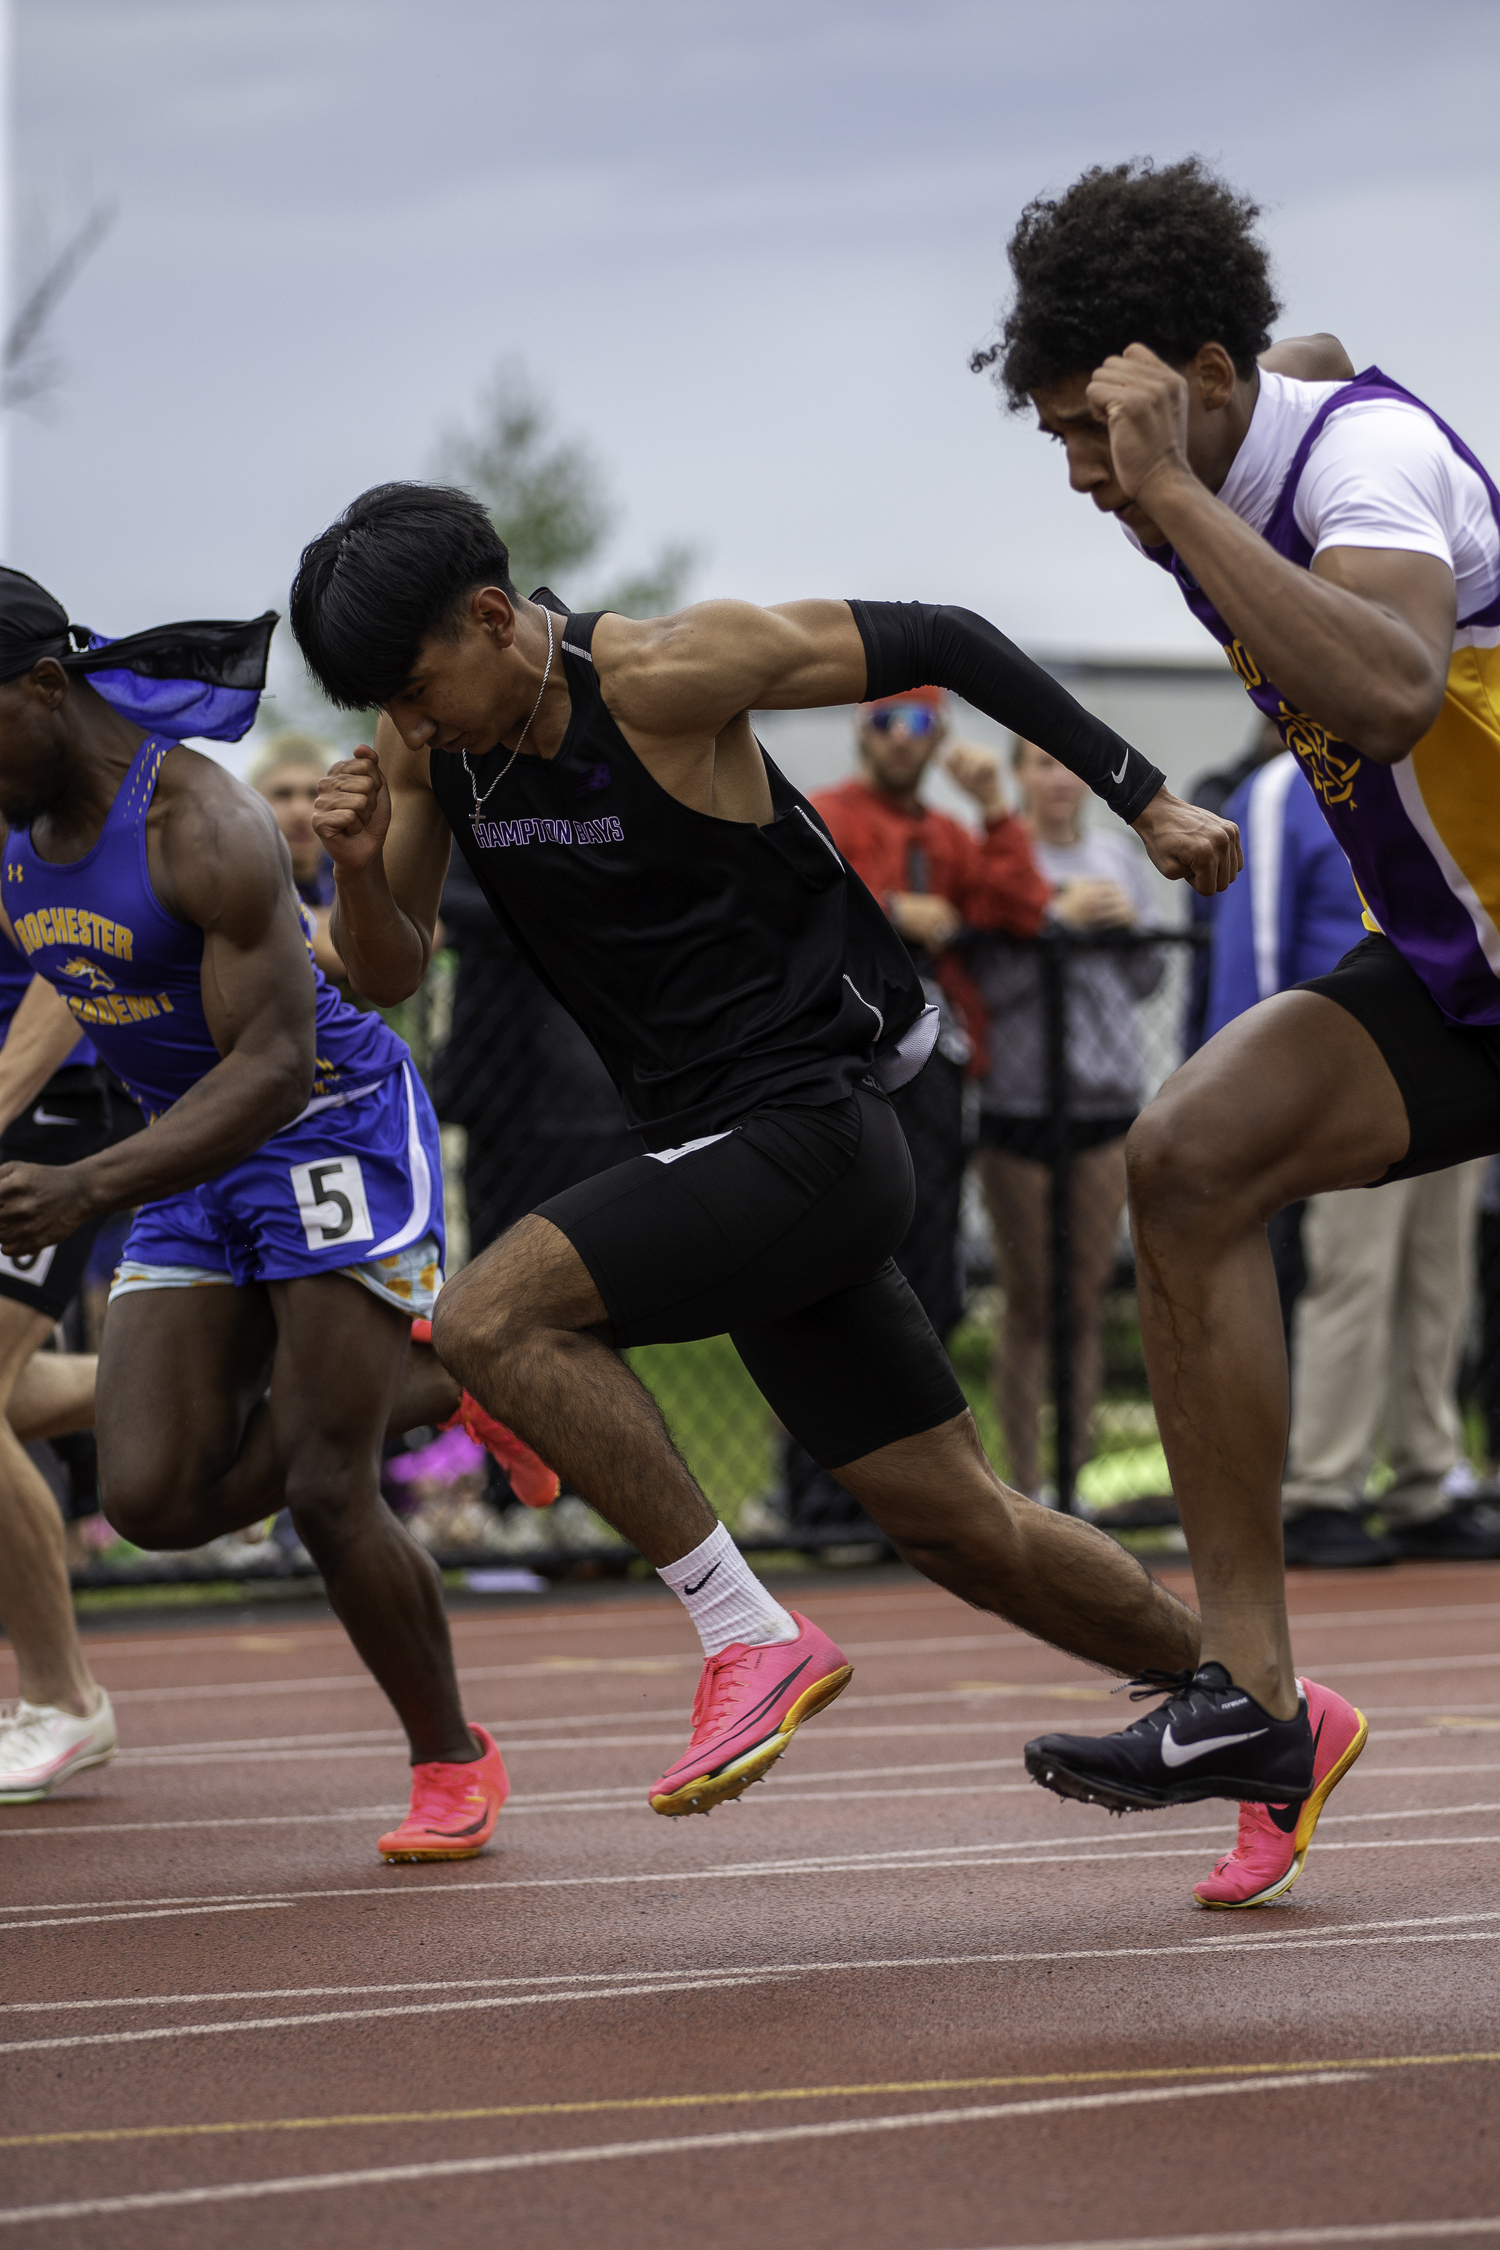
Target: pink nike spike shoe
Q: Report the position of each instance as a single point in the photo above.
(1273, 1840)
(749, 1704)
(454, 1807)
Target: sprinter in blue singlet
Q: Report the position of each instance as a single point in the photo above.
(288, 1181)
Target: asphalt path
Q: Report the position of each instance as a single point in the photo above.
(896, 1999)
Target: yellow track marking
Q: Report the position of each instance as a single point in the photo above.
(721, 2101)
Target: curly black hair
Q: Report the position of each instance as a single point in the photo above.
(1133, 253)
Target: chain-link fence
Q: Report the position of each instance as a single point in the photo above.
(1085, 1028)
(1020, 1251)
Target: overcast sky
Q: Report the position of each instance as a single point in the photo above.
(746, 248)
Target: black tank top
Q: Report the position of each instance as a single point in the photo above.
(716, 966)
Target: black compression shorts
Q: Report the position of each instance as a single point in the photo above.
(77, 1113)
(1448, 1074)
(778, 1234)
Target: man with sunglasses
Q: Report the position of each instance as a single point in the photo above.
(750, 1000)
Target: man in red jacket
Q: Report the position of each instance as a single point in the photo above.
(935, 877)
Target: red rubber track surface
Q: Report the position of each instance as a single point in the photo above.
(896, 1999)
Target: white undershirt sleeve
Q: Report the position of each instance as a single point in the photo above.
(1383, 475)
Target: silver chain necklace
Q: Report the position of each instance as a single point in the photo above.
(510, 761)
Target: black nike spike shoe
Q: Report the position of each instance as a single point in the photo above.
(1209, 1739)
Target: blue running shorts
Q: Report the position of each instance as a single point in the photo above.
(355, 1187)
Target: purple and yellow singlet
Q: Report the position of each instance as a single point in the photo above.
(1422, 836)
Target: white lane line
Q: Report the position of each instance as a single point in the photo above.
(991, 2113)
(541, 1669)
(512, 1625)
(943, 1857)
(630, 1798)
(1462, 1612)
(227, 1820)
(518, 1807)
(1389, 1922)
(1440, 1923)
(578, 1801)
(628, 1985)
(233, 1638)
(505, 1728)
(843, 1773)
(626, 1617)
(587, 1801)
(617, 1991)
(1362, 1772)
(543, 1672)
(1067, 1688)
(293, 1749)
(996, 1720)
(149, 1914)
(356, 1991)
(1384, 1664)
(1293, 2238)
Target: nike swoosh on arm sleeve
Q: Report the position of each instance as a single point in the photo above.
(918, 644)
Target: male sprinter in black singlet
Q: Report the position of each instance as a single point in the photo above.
(688, 908)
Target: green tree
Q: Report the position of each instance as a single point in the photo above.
(548, 499)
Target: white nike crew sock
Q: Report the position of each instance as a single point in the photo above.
(725, 1599)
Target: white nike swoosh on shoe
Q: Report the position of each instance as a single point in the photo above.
(1124, 762)
(1175, 1753)
(45, 1117)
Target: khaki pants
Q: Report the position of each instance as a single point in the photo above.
(1376, 1336)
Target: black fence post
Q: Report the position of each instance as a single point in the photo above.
(1055, 1013)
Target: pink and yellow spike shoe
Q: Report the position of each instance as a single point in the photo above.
(1273, 1840)
(530, 1478)
(454, 1808)
(749, 1704)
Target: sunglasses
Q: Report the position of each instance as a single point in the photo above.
(917, 718)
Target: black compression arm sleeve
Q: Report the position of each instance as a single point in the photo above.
(917, 644)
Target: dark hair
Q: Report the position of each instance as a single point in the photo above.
(397, 566)
(1133, 254)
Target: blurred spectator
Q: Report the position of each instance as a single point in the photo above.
(1376, 1332)
(935, 877)
(1102, 884)
(541, 1110)
(1487, 1341)
(286, 772)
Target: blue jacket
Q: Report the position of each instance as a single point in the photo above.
(1294, 912)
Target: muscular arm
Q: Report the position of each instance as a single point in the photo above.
(688, 676)
(41, 1037)
(219, 862)
(1319, 358)
(1361, 643)
(677, 685)
(390, 845)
